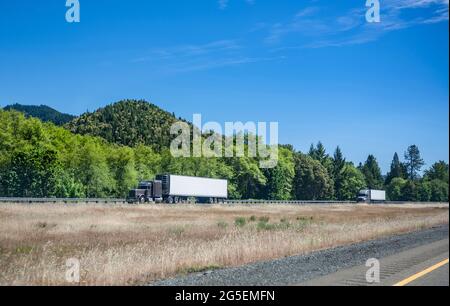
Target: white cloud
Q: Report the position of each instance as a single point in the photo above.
(190, 50)
(211, 55)
(218, 63)
(223, 4)
(329, 29)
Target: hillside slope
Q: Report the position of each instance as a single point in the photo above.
(42, 112)
(128, 122)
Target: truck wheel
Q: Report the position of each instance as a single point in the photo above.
(142, 200)
(170, 200)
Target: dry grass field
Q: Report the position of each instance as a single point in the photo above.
(128, 245)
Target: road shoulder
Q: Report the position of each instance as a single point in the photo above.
(299, 269)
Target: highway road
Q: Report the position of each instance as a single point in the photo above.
(413, 259)
(426, 265)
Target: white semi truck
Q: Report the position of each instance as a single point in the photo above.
(371, 196)
(175, 189)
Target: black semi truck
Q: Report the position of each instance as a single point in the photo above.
(175, 189)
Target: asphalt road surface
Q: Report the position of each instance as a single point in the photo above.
(415, 259)
(426, 265)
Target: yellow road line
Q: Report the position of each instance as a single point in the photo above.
(421, 274)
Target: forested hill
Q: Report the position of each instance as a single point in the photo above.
(42, 160)
(42, 112)
(128, 122)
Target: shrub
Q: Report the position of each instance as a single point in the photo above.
(240, 221)
(265, 226)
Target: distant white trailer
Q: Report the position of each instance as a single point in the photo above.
(372, 196)
(377, 196)
(178, 188)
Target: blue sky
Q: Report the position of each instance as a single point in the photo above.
(316, 67)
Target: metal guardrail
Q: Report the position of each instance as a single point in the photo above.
(227, 202)
(64, 201)
(327, 202)
(287, 202)
(123, 201)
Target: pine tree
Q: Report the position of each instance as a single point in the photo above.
(372, 172)
(413, 162)
(338, 168)
(397, 170)
(318, 153)
(439, 171)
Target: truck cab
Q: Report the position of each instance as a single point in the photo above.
(146, 192)
(363, 196)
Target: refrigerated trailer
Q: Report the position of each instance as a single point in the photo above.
(180, 189)
(372, 196)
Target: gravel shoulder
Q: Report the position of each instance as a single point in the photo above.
(298, 269)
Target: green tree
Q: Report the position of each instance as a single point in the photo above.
(424, 191)
(413, 162)
(372, 173)
(439, 191)
(280, 178)
(31, 173)
(352, 181)
(318, 153)
(68, 187)
(397, 170)
(93, 171)
(311, 181)
(122, 166)
(438, 171)
(339, 165)
(147, 163)
(395, 189)
(248, 177)
(409, 192)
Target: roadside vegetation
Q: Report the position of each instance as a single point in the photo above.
(107, 152)
(123, 245)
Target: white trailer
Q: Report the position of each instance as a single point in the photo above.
(177, 188)
(372, 196)
(377, 196)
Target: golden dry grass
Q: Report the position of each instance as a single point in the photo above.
(119, 245)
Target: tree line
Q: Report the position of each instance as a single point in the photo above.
(40, 159)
